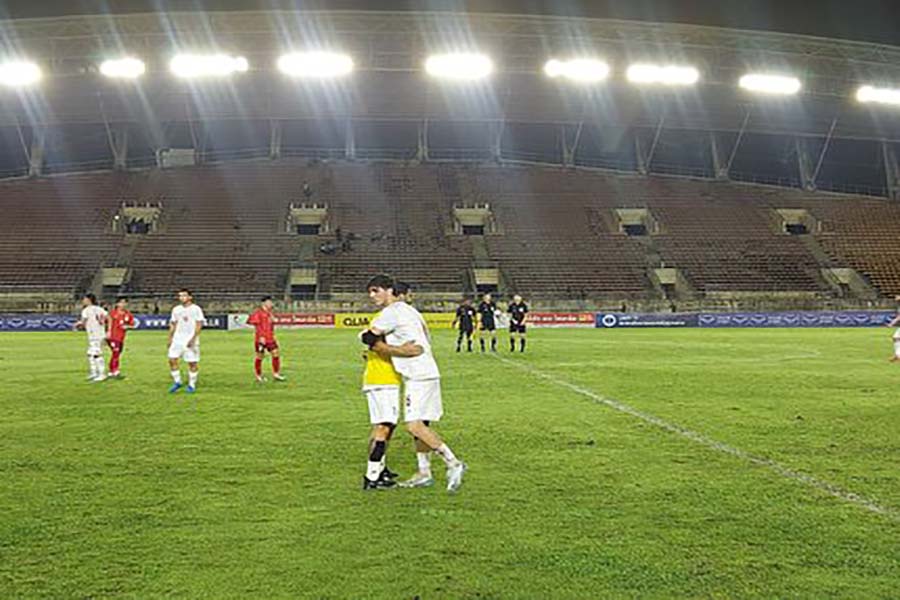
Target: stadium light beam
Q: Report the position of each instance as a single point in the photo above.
(674, 75)
(315, 65)
(780, 85)
(868, 94)
(459, 66)
(585, 70)
(123, 68)
(19, 73)
(194, 66)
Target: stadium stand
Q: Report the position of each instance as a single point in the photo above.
(224, 231)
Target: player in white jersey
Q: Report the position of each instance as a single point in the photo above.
(93, 321)
(895, 322)
(404, 328)
(184, 340)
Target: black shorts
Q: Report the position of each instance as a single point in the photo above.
(488, 326)
(466, 330)
(517, 327)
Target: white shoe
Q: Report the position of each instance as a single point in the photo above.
(98, 379)
(260, 379)
(279, 377)
(455, 476)
(419, 480)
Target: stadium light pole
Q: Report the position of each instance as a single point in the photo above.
(198, 66)
(18, 74)
(765, 83)
(315, 65)
(459, 66)
(669, 75)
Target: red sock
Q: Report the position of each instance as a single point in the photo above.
(257, 366)
(114, 362)
(276, 364)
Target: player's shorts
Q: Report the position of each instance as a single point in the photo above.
(267, 347)
(423, 400)
(116, 345)
(897, 348)
(516, 327)
(463, 330)
(190, 354)
(95, 347)
(488, 325)
(384, 403)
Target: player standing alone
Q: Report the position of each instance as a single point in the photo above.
(184, 340)
(93, 321)
(487, 309)
(895, 322)
(120, 320)
(409, 345)
(264, 322)
(518, 319)
(465, 318)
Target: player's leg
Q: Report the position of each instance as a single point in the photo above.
(522, 336)
(92, 365)
(383, 412)
(896, 356)
(459, 338)
(493, 340)
(424, 404)
(481, 339)
(193, 376)
(258, 361)
(276, 363)
(95, 353)
(512, 338)
(469, 333)
(175, 369)
(115, 349)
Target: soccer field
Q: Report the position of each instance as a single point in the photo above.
(602, 463)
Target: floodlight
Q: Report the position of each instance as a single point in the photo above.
(868, 93)
(318, 65)
(19, 73)
(191, 66)
(578, 69)
(663, 74)
(123, 68)
(459, 66)
(770, 84)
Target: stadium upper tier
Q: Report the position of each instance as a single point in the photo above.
(226, 232)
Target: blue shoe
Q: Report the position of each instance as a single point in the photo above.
(175, 387)
(190, 389)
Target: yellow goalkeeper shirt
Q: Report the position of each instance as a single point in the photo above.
(379, 371)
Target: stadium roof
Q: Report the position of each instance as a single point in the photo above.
(862, 20)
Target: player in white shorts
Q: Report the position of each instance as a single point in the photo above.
(409, 345)
(184, 340)
(93, 321)
(896, 337)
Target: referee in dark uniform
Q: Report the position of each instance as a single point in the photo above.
(487, 308)
(465, 317)
(518, 319)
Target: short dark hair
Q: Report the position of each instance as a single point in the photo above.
(264, 298)
(91, 297)
(189, 292)
(401, 287)
(382, 281)
(120, 298)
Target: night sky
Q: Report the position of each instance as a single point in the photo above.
(865, 20)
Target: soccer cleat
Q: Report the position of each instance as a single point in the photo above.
(382, 483)
(279, 377)
(175, 387)
(419, 480)
(455, 476)
(260, 379)
(116, 375)
(190, 389)
(387, 473)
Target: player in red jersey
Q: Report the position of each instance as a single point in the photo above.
(119, 321)
(264, 322)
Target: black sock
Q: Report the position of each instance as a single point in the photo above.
(482, 344)
(522, 345)
(470, 345)
(493, 344)
(512, 345)
(377, 452)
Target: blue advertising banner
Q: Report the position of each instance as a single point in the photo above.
(635, 320)
(858, 318)
(36, 322)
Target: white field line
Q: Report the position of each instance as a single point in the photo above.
(786, 472)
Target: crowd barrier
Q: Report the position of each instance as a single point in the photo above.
(607, 320)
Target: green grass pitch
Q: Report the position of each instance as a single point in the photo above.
(120, 489)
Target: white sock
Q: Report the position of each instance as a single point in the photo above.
(93, 366)
(447, 454)
(373, 470)
(100, 366)
(176, 376)
(424, 460)
(192, 378)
